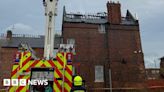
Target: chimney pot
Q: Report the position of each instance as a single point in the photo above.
(9, 34)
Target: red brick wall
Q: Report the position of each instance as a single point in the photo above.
(7, 55)
(90, 49)
(39, 52)
(114, 13)
(94, 48)
(127, 66)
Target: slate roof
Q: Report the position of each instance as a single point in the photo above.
(34, 42)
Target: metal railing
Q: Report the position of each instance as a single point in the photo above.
(26, 35)
(3, 36)
(86, 16)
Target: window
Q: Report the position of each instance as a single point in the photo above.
(71, 41)
(99, 73)
(153, 71)
(101, 28)
(157, 71)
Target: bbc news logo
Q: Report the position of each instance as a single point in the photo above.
(23, 82)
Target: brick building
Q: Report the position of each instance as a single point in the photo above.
(162, 62)
(162, 67)
(155, 78)
(9, 45)
(153, 73)
(108, 48)
(156, 73)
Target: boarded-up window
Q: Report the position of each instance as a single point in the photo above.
(101, 28)
(99, 73)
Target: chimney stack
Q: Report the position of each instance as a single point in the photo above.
(9, 35)
(162, 62)
(114, 12)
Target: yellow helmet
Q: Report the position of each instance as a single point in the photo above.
(78, 81)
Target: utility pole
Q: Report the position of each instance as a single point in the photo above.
(155, 63)
(110, 79)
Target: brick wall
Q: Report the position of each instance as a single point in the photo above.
(90, 49)
(119, 49)
(7, 55)
(114, 12)
(126, 56)
(153, 74)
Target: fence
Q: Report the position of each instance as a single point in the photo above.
(3, 36)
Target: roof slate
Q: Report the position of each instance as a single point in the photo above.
(33, 42)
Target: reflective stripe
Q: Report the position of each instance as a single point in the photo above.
(59, 73)
(26, 64)
(14, 76)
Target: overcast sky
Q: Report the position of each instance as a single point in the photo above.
(27, 16)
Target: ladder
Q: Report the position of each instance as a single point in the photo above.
(50, 13)
(27, 47)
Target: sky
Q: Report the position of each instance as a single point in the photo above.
(27, 17)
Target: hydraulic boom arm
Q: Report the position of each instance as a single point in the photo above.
(50, 13)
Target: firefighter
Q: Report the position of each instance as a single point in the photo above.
(78, 85)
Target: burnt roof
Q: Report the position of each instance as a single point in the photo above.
(34, 42)
(97, 18)
(94, 19)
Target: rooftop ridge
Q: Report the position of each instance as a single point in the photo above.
(27, 35)
(3, 35)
